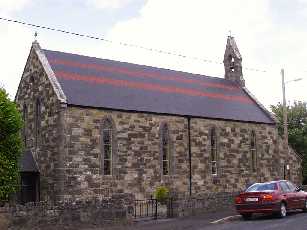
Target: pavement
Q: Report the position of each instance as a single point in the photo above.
(222, 220)
(186, 223)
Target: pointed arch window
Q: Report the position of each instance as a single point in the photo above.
(165, 148)
(253, 151)
(37, 121)
(286, 172)
(107, 133)
(213, 151)
(25, 118)
(231, 62)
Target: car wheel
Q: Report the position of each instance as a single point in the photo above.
(282, 210)
(246, 216)
(305, 206)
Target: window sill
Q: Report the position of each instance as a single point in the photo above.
(215, 179)
(108, 177)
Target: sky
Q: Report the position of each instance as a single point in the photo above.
(270, 34)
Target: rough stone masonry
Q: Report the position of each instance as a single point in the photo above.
(68, 150)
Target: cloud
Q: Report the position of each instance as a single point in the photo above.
(14, 52)
(15, 57)
(108, 4)
(1, 85)
(9, 6)
(199, 28)
(195, 27)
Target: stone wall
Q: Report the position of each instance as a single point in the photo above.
(203, 203)
(295, 164)
(138, 168)
(69, 214)
(68, 151)
(36, 85)
(234, 156)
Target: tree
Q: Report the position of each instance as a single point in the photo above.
(10, 145)
(297, 128)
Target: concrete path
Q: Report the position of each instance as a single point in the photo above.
(183, 223)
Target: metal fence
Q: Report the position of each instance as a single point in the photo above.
(151, 208)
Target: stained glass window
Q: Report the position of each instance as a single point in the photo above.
(165, 150)
(37, 121)
(107, 139)
(253, 151)
(24, 118)
(213, 138)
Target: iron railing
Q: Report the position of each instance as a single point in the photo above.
(151, 208)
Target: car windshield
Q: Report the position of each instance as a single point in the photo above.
(262, 187)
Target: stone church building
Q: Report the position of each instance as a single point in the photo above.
(96, 127)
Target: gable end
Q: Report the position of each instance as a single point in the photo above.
(50, 74)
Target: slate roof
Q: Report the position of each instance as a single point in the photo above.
(89, 81)
(27, 163)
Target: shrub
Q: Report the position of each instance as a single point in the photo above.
(161, 194)
(10, 145)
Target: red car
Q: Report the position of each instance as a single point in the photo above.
(275, 197)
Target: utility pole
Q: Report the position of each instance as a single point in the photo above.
(284, 105)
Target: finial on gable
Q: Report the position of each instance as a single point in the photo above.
(35, 43)
(233, 62)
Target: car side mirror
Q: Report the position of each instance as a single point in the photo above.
(298, 188)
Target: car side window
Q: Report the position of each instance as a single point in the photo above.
(291, 186)
(284, 186)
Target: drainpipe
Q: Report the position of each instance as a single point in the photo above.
(190, 156)
(59, 169)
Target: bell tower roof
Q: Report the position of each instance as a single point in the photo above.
(231, 43)
(233, 62)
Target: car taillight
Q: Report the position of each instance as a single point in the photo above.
(238, 200)
(267, 197)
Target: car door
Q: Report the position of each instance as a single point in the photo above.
(299, 196)
(287, 195)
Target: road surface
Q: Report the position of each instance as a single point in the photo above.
(294, 221)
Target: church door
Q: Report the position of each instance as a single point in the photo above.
(29, 187)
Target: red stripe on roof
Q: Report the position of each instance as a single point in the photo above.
(133, 73)
(148, 86)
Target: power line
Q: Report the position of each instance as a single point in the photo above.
(123, 43)
(54, 29)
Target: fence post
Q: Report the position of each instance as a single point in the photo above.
(147, 208)
(135, 204)
(156, 209)
(152, 206)
(171, 207)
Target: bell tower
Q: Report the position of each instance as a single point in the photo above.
(233, 62)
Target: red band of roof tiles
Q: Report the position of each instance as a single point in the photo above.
(148, 86)
(140, 73)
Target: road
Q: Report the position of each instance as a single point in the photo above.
(295, 221)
